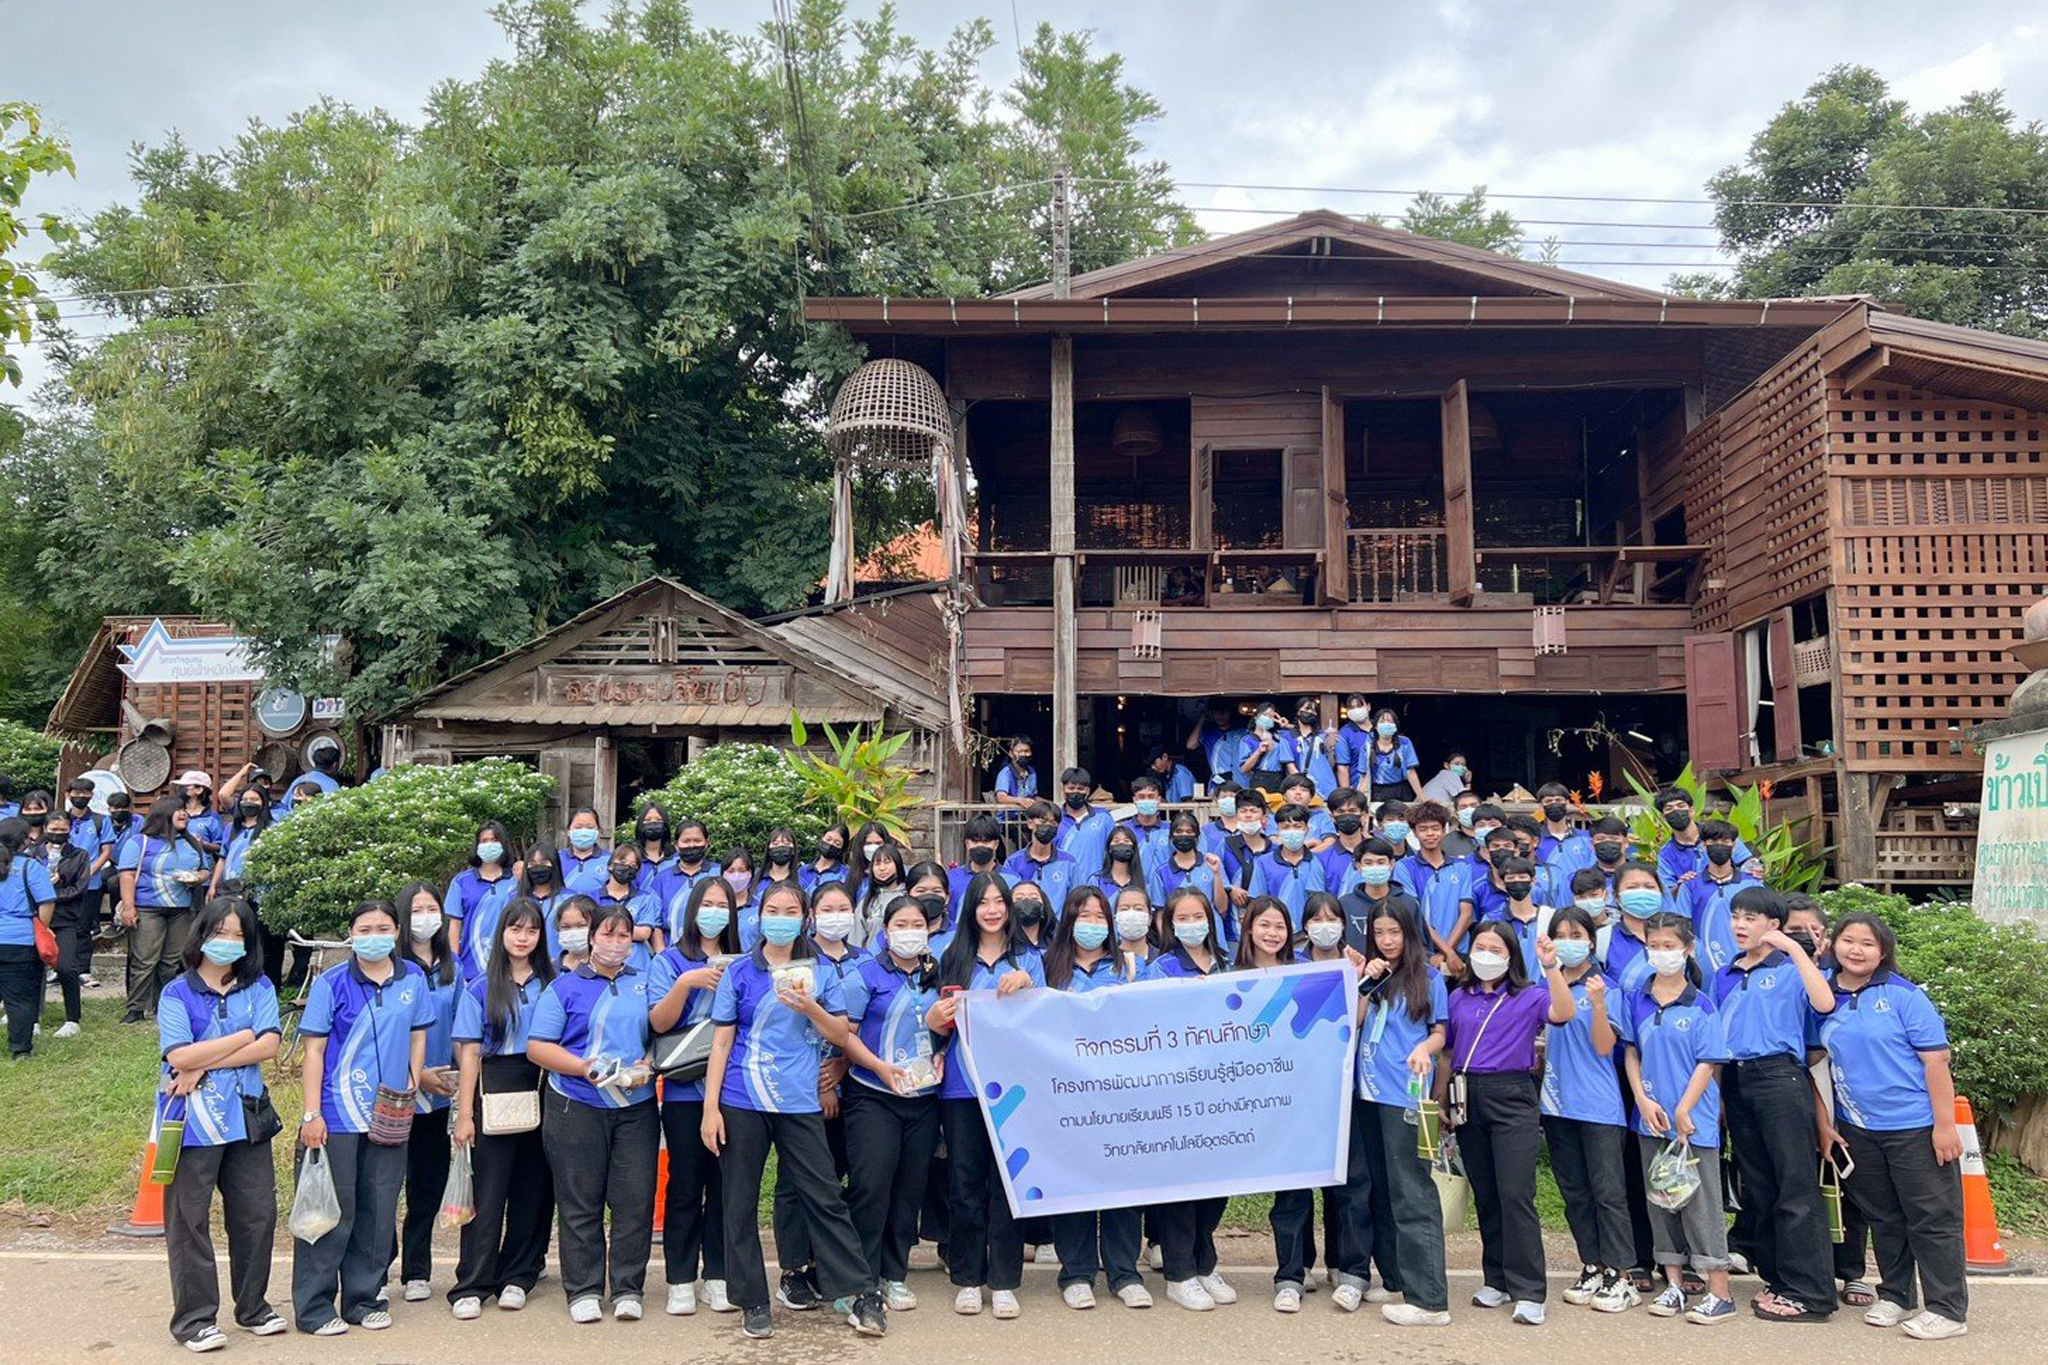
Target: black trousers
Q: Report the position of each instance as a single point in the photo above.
(792, 1236)
(275, 951)
(72, 922)
(507, 1242)
(1186, 1233)
(1418, 1210)
(1386, 1257)
(693, 1208)
(1777, 1149)
(21, 991)
(983, 1245)
(1499, 1139)
(602, 1159)
(245, 1174)
(1852, 1253)
(1915, 1208)
(1642, 1239)
(1104, 1242)
(1590, 1161)
(354, 1258)
(799, 1143)
(889, 1143)
(427, 1156)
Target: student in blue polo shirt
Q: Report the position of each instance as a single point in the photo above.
(677, 880)
(1041, 860)
(1762, 997)
(1135, 942)
(1583, 1119)
(217, 1025)
(1517, 909)
(1184, 863)
(892, 1132)
(1345, 810)
(1220, 826)
(478, 892)
(160, 869)
(1438, 881)
(365, 1029)
(1290, 873)
(1083, 958)
(584, 858)
(680, 988)
(1637, 898)
(1403, 1007)
(778, 866)
(95, 836)
(777, 1009)
(1388, 762)
(1315, 748)
(1123, 864)
(1218, 737)
(829, 863)
(1267, 753)
(1708, 896)
(1016, 781)
(1299, 789)
(1674, 1057)
(1347, 751)
(26, 895)
(1084, 829)
(984, 1247)
(1558, 835)
(1489, 897)
(504, 1246)
(427, 1148)
(1146, 822)
(598, 1120)
(1176, 783)
(654, 838)
(981, 841)
(622, 875)
(1895, 1113)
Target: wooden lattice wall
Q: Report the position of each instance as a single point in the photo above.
(1941, 510)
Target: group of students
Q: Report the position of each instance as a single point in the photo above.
(1540, 981)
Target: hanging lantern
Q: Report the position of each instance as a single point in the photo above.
(1484, 435)
(1136, 433)
(889, 415)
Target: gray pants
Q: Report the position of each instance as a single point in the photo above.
(1418, 1209)
(1915, 1208)
(1701, 1227)
(354, 1257)
(155, 946)
(245, 1173)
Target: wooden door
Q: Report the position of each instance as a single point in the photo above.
(1784, 686)
(1713, 702)
(1460, 560)
(1336, 509)
(1301, 498)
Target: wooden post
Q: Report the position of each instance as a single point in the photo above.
(1066, 733)
(1460, 566)
(1336, 505)
(1856, 839)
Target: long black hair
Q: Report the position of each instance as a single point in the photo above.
(689, 942)
(1169, 942)
(501, 992)
(667, 841)
(1571, 914)
(1680, 925)
(159, 825)
(507, 850)
(791, 889)
(1247, 954)
(248, 969)
(963, 954)
(1407, 978)
(540, 858)
(263, 818)
(919, 872)
(1137, 863)
(1517, 974)
(13, 838)
(1059, 956)
(442, 960)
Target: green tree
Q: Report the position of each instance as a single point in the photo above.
(1846, 191)
(432, 388)
(26, 152)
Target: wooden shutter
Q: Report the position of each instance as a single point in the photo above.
(1784, 686)
(557, 763)
(1336, 507)
(1460, 564)
(1713, 701)
(1301, 497)
(1202, 499)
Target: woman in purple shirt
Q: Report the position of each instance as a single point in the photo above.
(1495, 1017)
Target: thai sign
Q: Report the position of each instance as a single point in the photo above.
(2012, 831)
(159, 657)
(690, 686)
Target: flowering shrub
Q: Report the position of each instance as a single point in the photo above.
(365, 842)
(740, 792)
(1986, 979)
(28, 758)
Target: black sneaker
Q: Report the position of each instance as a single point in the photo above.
(867, 1316)
(756, 1322)
(798, 1293)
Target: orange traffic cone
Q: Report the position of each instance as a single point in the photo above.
(146, 1219)
(1983, 1252)
(660, 1190)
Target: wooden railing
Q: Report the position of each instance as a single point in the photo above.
(1397, 563)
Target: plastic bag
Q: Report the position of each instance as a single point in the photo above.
(458, 1199)
(1673, 1177)
(316, 1210)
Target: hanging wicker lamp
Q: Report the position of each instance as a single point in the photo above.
(1136, 433)
(889, 414)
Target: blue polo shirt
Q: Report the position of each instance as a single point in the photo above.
(1578, 1083)
(369, 1030)
(1671, 1041)
(1221, 747)
(1289, 883)
(810, 878)
(955, 1085)
(327, 785)
(207, 827)
(1439, 890)
(593, 1017)
(93, 835)
(646, 913)
(1674, 859)
(190, 1011)
(155, 863)
(669, 968)
(442, 1002)
(889, 1008)
(1875, 1037)
(1174, 964)
(1567, 855)
(1763, 1009)
(1315, 754)
(468, 895)
(1010, 782)
(672, 890)
(1705, 902)
(1276, 759)
(1387, 768)
(583, 872)
(1056, 877)
(1155, 841)
(234, 854)
(773, 1067)
(1167, 877)
(1106, 972)
(957, 878)
(26, 886)
(1087, 839)
(473, 1021)
(1178, 785)
(1388, 1034)
(1627, 959)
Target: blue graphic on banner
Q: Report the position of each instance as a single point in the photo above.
(1166, 1090)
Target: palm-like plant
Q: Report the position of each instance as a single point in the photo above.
(861, 781)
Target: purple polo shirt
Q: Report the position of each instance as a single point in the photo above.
(1509, 1041)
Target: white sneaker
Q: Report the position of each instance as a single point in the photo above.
(1155, 1257)
(1885, 1313)
(1379, 1293)
(1006, 1304)
(333, 1327)
(1616, 1295)
(1135, 1296)
(1408, 1315)
(511, 1298)
(682, 1300)
(967, 1302)
(586, 1309)
(626, 1310)
(468, 1309)
(1219, 1288)
(1190, 1295)
(1347, 1297)
(376, 1320)
(69, 1029)
(1934, 1327)
(1489, 1297)
(272, 1326)
(418, 1291)
(208, 1339)
(1529, 1313)
(1045, 1254)
(1287, 1299)
(897, 1298)
(714, 1297)
(1079, 1295)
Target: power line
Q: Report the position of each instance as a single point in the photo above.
(1598, 198)
(947, 199)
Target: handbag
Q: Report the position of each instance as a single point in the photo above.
(46, 940)
(508, 1099)
(1454, 1093)
(260, 1118)
(391, 1116)
(684, 1054)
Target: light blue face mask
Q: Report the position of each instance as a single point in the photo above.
(583, 840)
(781, 929)
(224, 952)
(1641, 902)
(1147, 806)
(489, 852)
(374, 947)
(1572, 951)
(1293, 839)
(712, 920)
(1375, 874)
(1395, 832)
(1090, 935)
(1386, 729)
(1191, 932)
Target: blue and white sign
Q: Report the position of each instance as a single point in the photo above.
(1161, 1091)
(159, 657)
(281, 711)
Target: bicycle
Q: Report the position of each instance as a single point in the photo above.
(291, 1011)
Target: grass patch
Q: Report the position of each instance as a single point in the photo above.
(2020, 1196)
(78, 1112)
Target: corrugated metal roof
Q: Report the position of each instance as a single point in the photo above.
(894, 676)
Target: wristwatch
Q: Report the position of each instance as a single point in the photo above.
(307, 1118)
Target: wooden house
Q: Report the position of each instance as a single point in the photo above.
(1564, 523)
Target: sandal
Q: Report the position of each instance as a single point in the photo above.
(1857, 1294)
(1690, 1281)
(1786, 1310)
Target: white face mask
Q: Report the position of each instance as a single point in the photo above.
(835, 926)
(1325, 933)
(1132, 925)
(1358, 715)
(576, 940)
(909, 942)
(424, 923)
(1666, 961)
(1488, 966)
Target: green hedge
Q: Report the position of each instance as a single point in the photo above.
(28, 758)
(1987, 980)
(740, 792)
(365, 842)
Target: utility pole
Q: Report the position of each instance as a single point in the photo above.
(1062, 262)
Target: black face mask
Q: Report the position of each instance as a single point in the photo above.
(80, 802)
(981, 856)
(1607, 852)
(1185, 843)
(37, 819)
(1518, 888)
(690, 855)
(623, 873)
(653, 832)
(1803, 938)
(1122, 853)
(1021, 762)
(1045, 834)
(831, 853)
(1348, 824)
(1077, 800)
(782, 855)
(1553, 811)
(934, 907)
(1720, 855)
(251, 811)
(1679, 820)
(1030, 912)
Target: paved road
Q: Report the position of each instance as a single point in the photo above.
(66, 1307)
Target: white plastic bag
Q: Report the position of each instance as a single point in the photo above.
(1673, 1177)
(316, 1210)
(458, 1199)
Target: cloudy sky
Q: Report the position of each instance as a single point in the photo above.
(1635, 99)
